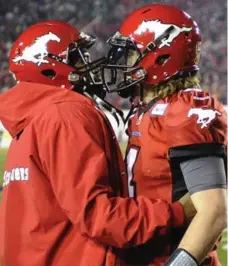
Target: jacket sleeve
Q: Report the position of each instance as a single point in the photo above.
(73, 156)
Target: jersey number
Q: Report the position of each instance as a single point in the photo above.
(131, 159)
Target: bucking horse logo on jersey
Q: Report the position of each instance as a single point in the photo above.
(37, 51)
(157, 27)
(205, 116)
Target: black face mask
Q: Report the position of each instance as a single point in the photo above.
(117, 74)
(88, 73)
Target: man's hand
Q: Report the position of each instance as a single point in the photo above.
(188, 206)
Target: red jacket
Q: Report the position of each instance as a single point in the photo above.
(63, 180)
(184, 118)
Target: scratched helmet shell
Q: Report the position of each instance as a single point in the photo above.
(167, 41)
(47, 52)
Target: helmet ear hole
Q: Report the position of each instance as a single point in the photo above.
(50, 73)
(162, 59)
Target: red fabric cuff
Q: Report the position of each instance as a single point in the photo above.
(178, 217)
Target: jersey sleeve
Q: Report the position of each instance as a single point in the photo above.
(195, 118)
(73, 155)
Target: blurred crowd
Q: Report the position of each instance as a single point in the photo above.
(102, 18)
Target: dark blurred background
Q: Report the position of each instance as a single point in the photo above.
(102, 18)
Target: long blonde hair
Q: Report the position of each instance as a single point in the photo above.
(168, 88)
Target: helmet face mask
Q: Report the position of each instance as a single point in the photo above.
(155, 43)
(78, 58)
(122, 65)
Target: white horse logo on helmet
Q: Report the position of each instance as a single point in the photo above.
(37, 51)
(157, 27)
(205, 116)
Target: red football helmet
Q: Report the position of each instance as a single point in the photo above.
(48, 53)
(166, 42)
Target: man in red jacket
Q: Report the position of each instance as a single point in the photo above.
(177, 132)
(64, 181)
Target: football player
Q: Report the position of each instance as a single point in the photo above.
(64, 174)
(177, 132)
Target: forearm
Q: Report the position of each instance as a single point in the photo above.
(206, 181)
(124, 222)
(203, 231)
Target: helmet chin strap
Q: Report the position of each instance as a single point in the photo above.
(134, 103)
(141, 97)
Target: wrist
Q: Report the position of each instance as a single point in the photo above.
(181, 257)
